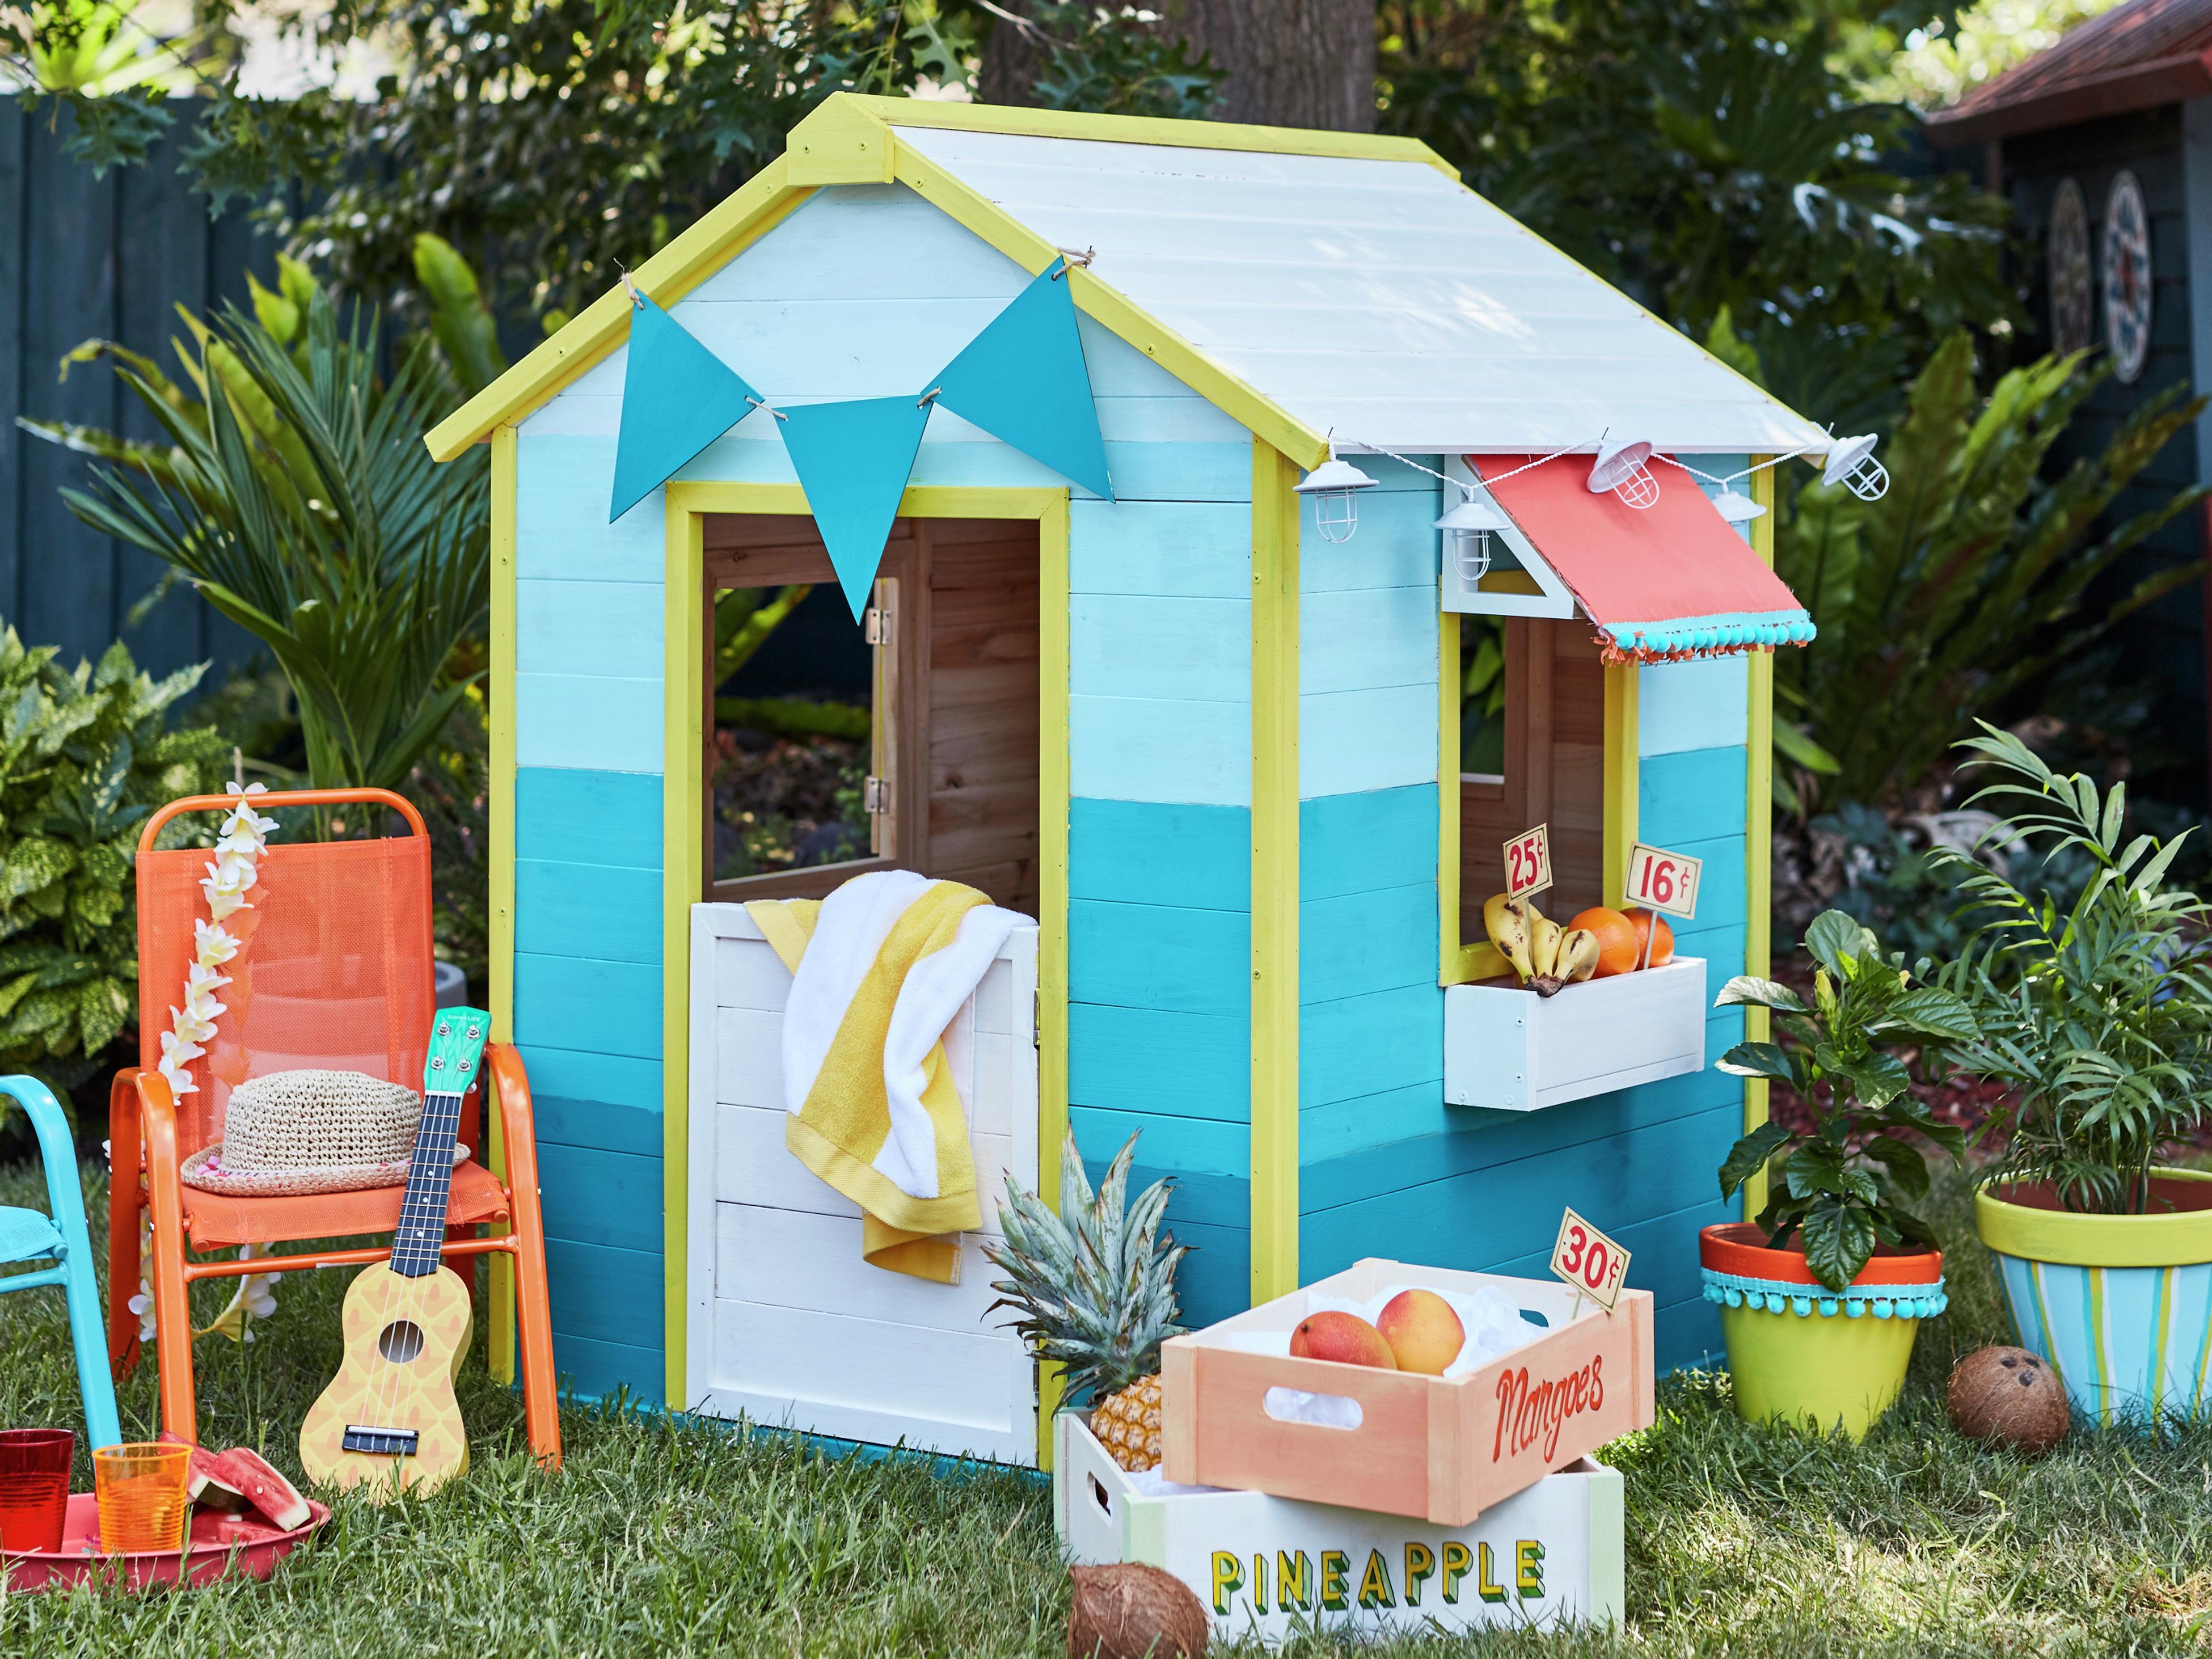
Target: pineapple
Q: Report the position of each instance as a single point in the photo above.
(1095, 1289)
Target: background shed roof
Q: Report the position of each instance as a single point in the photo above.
(2134, 56)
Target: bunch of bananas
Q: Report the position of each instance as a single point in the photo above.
(1544, 954)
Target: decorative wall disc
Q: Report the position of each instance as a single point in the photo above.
(2071, 325)
(2127, 276)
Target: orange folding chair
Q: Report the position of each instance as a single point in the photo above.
(335, 971)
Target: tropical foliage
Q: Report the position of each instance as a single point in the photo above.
(2098, 1015)
(85, 755)
(1846, 1185)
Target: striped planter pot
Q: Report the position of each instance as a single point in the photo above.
(2120, 1306)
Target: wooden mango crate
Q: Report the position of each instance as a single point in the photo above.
(1441, 1448)
(1550, 1555)
(1509, 1050)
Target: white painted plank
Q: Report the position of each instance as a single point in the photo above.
(748, 973)
(754, 1166)
(1016, 1447)
(795, 1259)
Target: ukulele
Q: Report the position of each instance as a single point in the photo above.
(388, 1417)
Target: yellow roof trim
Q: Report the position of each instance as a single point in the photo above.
(1145, 129)
(703, 248)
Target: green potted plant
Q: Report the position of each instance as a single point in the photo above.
(2100, 1017)
(1821, 1294)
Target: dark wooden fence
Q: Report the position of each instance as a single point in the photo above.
(83, 259)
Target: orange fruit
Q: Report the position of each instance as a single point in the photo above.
(1663, 945)
(1618, 941)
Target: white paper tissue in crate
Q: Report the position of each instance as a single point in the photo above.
(1549, 1555)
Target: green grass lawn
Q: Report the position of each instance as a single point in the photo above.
(657, 1538)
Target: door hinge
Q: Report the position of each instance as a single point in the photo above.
(1037, 1020)
(875, 795)
(876, 624)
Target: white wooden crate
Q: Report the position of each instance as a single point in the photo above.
(1551, 1554)
(1508, 1049)
(787, 1324)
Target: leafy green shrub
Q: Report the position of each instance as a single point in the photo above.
(84, 758)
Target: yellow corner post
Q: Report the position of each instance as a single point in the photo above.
(1759, 834)
(1623, 779)
(682, 874)
(1275, 1154)
(499, 804)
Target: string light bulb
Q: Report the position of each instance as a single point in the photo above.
(1735, 507)
(1466, 530)
(1620, 468)
(1335, 485)
(1851, 464)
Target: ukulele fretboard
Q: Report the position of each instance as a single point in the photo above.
(416, 1247)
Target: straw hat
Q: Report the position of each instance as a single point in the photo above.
(311, 1132)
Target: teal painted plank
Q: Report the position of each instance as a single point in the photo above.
(1723, 948)
(1363, 842)
(1366, 942)
(594, 1197)
(571, 1089)
(1185, 1149)
(1692, 796)
(600, 1125)
(1681, 706)
(1139, 1060)
(590, 1371)
(1151, 956)
(567, 816)
(1368, 638)
(1361, 1045)
(1391, 1117)
(1395, 545)
(1124, 645)
(608, 1007)
(1153, 853)
(1662, 1260)
(593, 725)
(608, 1295)
(1215, 1279)
(1722, 884)
(1197, 550)
(588, 910)
(1352, 741)
(1153, 749)
(610, 629)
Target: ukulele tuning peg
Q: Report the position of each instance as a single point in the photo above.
(437, 1062)
(444, 1030)
(473, 1033)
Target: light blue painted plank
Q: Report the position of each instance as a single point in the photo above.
(607, 1007)
(595, 1197)
(1693, 705)
(593, 725)
(1362, 942)
(1151, 956)
(1137, 646)
(573, 816)
(1692, 796)
(1359, 843)
(591, 1371)
(1366, 638)
(588, 910)
(563, 485)
(1139, 1060)
(1171, 419)
(595, 628)
(1366, 1044)
(1351, 741)
(608, 1295)
(1153, 750)
(1198, 550)
(835, 247)
(1395, 544)
(1150, 853)
(1159, 472)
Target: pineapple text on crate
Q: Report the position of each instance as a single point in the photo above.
(1302, 1584)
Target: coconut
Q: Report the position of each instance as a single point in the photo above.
(2009, 1397)
(1129, 1611)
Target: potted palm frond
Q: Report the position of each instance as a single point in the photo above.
(1821, 1294)
(2099, 1019)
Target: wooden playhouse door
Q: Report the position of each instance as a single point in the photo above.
(789, 1325)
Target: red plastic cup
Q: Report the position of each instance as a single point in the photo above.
(34, 1482)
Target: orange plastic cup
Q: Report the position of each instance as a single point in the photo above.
(140, 1488)
(34, 1480)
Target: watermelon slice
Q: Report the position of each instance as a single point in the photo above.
(239, 1479)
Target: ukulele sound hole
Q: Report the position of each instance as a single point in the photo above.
(401, 1342)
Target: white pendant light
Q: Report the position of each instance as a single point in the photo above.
(1851, 464)
(1335, 485)
(1737, 508)
(1620, 468)
(1466, 530)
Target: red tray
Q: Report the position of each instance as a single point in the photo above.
(223, 1546)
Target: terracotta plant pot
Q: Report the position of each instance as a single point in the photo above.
(1800, 1352)
(2120, 1306)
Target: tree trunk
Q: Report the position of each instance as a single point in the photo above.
(1291, 63)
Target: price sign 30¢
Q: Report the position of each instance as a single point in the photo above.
(1589, 1260)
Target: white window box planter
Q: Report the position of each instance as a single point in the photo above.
(1510, 1050)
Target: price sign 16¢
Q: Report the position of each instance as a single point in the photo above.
(1661, 880)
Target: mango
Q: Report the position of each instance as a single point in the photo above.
(1424, 1334)
(1345, 1337)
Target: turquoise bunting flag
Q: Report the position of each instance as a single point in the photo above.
(1023, 380)
(852, 459)
(677, 398)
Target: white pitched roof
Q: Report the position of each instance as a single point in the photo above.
(1379, 300)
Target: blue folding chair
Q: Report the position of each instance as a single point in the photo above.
(27, 1236)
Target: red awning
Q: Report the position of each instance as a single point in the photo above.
(1663, 583)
